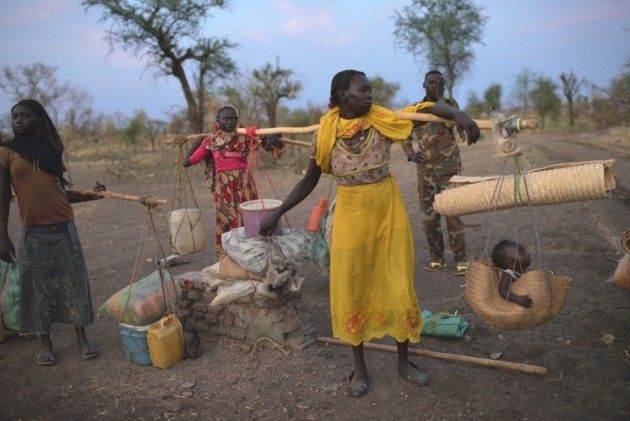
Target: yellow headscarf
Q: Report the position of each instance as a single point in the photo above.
(332, 126)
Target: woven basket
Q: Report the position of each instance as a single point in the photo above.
(560, 183)
(547, 291)
(625, 241)
(622, 273)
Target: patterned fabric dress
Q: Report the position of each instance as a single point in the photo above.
(231, 179)
(372, 259)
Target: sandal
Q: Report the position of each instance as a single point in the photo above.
(435, 266)
(360, 390)
(415, 375)
(461, 269)
(46, 357)
(89, 352)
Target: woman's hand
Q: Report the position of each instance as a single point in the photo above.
(468, 127)
(268, 225)
(99, 187)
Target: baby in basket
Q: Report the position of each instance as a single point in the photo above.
(512, 259)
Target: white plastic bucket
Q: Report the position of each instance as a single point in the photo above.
(187, 231)
(254, 211)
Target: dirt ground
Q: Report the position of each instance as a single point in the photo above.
(588, 378)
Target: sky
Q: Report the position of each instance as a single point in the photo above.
(316, 39)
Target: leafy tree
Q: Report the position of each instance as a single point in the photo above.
(522, 90)
(611, 105)
(272, 83)
(571, 87)
(137, 127)
(383, 92)
(492, 98)
(545, 100)
(475, 106)
(168, 33)
(443, 31)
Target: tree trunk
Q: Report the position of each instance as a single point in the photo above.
(193, 108)
(571, 118)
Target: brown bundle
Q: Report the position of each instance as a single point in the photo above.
(622, 274)
(547, 291)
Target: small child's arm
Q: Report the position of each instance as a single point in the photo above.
(504, 291)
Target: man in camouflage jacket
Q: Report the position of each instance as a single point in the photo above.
(437, 161)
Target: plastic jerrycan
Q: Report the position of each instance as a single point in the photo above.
(166, 341)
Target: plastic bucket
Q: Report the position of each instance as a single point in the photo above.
(134, 340)
(254, 211)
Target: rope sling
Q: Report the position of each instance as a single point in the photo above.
(547, 290)
(184, 221)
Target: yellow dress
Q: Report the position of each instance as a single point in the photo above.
(372, 256)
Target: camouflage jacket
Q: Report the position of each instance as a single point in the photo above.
(439, 146)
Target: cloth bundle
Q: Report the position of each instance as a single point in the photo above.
(443, 325)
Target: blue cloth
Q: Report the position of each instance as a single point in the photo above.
(54, 278)
(443, 325)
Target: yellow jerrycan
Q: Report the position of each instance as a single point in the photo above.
(166, 341)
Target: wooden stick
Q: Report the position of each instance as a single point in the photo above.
(146, 200)
(430, 118)
(295, 142)
(525, 368)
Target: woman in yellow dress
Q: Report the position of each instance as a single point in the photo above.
(372, 257)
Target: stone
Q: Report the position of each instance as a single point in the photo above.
(188, 385)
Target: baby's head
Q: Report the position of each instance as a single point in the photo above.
(511, 255)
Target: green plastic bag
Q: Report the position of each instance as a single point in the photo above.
(443, 325)
(10, 295)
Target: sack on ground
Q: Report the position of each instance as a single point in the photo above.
(146, 300)
(234, 291)
(10, 295)
(251, 253)
(229, 269)
(443, 325)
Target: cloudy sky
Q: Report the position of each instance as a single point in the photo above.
(317, 38)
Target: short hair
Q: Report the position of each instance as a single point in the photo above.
(502, 248)
(432, 72)
(227, 107)
(341, 81)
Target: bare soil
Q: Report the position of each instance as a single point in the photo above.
(588, 378)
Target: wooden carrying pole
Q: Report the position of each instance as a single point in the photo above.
(146, 200)
(525, 368)
(429, 118)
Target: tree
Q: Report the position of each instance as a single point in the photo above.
(383, 92)
(492, 98)
(69, 106)
(475, 106)
(168, 33)
(443, 31)
(36, 81)
(571, 87)
(545, 100)
(137, 127)
(156, 127)
(523, 85)
(272, 83)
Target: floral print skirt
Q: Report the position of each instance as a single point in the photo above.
(230, 190)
